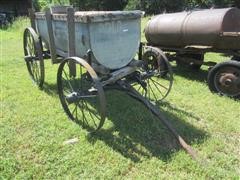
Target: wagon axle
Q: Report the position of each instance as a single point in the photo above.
(30, 58)
(77, 96)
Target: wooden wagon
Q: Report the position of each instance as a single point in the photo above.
(97, 51)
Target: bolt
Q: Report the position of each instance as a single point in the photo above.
(228, 82)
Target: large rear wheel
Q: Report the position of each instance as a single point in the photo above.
(82, 96)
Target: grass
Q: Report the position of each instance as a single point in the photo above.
(132, 144)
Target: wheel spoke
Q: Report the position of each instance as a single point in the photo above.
(36, 71)
(159, 84)
(150, 87)
(89, 111)
(75, 110)
(157, 88)
(85, 94)
(84, 117)
(68, 79)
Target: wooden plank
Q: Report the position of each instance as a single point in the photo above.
(71, 39)
(71, 31)
(32, 18)
(51, 36)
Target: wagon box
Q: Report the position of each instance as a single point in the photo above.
(113, 37)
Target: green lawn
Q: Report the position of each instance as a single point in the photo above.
(132, 144)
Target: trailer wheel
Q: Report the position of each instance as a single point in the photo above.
(82, 96)
(224, 78)
(155, 80)
(33, 56)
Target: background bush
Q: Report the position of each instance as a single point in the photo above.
(149, 6)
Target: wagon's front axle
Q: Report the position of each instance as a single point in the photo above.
(77, 96)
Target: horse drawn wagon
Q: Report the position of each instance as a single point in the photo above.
(96, 51)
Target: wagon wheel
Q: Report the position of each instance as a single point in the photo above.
(155, 79)
(82, 96)
(155, 61)
(34, 56)
(224, 78)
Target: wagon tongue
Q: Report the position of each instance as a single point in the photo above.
(77, 96)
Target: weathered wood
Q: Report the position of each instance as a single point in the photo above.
(113, 45)
(60, 9)
(119, 74)
(71, 39)
(32, 18)
(51, 36)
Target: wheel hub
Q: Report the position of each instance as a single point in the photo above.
(227, 80)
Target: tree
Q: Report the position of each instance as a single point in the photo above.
(149, 6)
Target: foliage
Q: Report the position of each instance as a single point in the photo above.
(149, 6)
(99, 5)
(159, 6)
(41, 5)
(211, 3)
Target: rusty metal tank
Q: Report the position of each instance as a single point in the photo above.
(214, 28)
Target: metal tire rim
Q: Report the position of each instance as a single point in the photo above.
(34, 62)
(82, 111)
(159, 85)
(230, 73)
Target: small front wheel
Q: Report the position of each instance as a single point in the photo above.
(81, 95)
(33, 56)
(224, 78)
(154, 61)
(155, 79)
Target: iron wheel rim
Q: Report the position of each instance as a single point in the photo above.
(33, 52)
(155, 79)
(86, 86)
(234, 73)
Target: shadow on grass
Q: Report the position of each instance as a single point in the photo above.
(136, 134)
(50, 89)
(191, 74)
